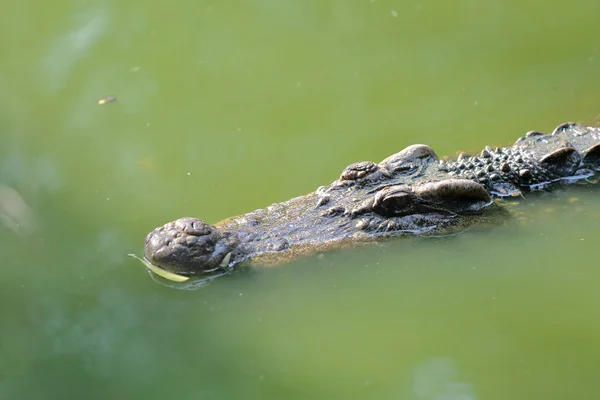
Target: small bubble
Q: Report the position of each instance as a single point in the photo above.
(394, 13)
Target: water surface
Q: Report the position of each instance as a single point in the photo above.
(223, 108)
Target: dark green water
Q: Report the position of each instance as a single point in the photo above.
(225, 107)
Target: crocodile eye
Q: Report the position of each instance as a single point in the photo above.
(394, 202)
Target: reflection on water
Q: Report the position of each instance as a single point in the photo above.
(15, 214)
(192, 284)
(69, 48)
(98, 331)
(38, 174)
(440, 379)
(24, 175)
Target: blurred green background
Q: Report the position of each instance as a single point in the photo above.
(225, 107)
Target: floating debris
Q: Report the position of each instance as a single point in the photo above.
(159, 271)
(108, 99)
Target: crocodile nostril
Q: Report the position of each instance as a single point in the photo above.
(193, 226)
(199, 226)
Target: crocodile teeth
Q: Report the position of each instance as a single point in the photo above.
(225, 261)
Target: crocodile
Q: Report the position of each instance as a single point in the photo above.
(411, 192)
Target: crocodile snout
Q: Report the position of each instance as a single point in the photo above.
(184, 246)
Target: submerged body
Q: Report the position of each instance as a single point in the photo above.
(410, 192)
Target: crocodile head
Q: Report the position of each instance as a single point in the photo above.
(429, 207)
(188, 246)
(403, 194)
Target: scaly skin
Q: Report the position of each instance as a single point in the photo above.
(410, 192)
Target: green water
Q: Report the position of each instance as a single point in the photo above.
(225, 107)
